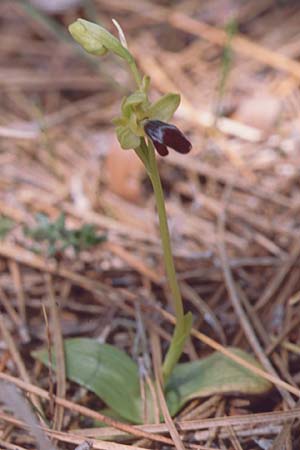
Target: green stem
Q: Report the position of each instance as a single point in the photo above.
(135, 72)
(165, 235)
(183, 323)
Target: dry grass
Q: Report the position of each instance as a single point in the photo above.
(233, 206)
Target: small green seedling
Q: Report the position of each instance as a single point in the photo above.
(58, 237)
(6, 226)
(226, 63)
(110, 373)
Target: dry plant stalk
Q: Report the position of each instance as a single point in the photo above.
(14, 400)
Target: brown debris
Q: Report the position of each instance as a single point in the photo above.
(233, 208)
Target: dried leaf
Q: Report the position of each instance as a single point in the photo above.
(124, 172)
(14, 400)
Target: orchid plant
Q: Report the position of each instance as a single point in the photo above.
(143, 127)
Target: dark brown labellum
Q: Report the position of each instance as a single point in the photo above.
(165, 135)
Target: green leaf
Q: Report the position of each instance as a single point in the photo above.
(59, 238)
(113, 376)
(105, 370)
(97, 40)
(215, 374)
(108, 412)
(127, 138)
(86, 237)
(164, 108)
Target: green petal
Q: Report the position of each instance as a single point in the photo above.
(96, 39)
(137, 98)
(146, 83)
(164, 108)
(127, 138)
(134, 126)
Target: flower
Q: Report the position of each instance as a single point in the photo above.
(165, 135)
(137, 109)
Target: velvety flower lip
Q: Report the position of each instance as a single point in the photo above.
(165, 135)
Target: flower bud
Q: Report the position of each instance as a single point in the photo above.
(86, 39)
(96, 39)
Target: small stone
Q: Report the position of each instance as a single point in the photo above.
(261, 111)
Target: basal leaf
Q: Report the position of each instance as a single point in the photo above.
(215, 374)
(105, 370)
(112, 375)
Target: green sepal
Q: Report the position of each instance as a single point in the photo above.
(127, 138)
(97, 40)
(164, 108)
(125, 111)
